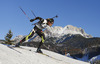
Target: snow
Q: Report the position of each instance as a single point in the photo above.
(23, 56)
(58, 31)
(92, 60)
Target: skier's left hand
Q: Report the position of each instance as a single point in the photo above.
(31, 20)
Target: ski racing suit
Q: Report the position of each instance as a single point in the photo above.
(37, 29)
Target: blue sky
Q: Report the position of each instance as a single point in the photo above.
(79, 13)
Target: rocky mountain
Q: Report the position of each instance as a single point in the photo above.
(69, 29)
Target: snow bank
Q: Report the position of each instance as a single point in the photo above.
(22, 56)
(92, 60)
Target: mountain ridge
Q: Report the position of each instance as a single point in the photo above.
(58, 32)
(69, 29)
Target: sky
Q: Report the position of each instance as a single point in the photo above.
(79, 13)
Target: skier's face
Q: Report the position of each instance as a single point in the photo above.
(50, 24)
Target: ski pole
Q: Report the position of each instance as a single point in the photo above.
(35, 17)
(24, 13)
(33, 13)
(45, 46)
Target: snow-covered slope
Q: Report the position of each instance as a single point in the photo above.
(22, 56)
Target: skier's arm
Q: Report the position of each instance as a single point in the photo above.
(36, 19)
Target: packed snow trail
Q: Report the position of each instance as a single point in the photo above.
(10, 56)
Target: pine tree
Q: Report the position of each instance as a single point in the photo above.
(8, 37)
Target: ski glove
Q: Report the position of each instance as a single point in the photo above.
(32, 20)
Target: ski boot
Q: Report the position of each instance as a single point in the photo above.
(17, 45)
(39, 51)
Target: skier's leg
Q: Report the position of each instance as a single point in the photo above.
(39, 48)
(42, 41)
(25, 38)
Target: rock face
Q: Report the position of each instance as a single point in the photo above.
(69, 29)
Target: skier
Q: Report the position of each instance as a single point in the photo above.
(43, 23)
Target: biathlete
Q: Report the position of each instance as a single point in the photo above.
(42, 24)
